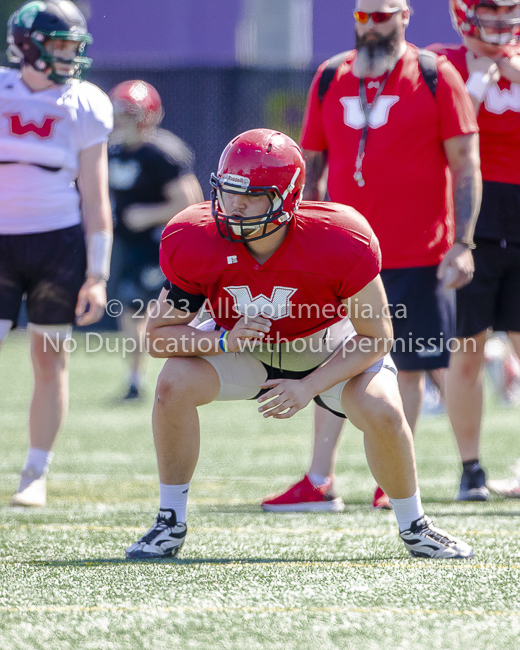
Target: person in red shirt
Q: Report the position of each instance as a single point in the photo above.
(489, 62)
(407, 159)
(281, 278)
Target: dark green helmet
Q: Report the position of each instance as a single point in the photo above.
(35, 24)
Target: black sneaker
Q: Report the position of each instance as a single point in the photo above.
(164, 539)
(473, 486)
(423, 539)
(133, 392)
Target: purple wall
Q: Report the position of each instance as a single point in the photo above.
(163, 32)
(166, 33)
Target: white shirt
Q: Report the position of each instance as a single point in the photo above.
(48, 128)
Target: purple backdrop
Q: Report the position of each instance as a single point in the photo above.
(164, 33)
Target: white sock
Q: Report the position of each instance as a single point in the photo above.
(407, 510)
(174, 497)
(40, 459)
(318, 480)
(135, 379)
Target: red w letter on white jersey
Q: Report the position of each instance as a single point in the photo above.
(43, 131)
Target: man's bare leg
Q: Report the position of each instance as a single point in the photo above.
(465, 395)
(327, 431)
(464, 404)
(50, 399)
(47, 410)
(134, 328)
(183, 385)
(411, 386)
(372, 403)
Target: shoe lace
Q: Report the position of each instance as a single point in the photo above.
(438, 535)
(161, 523)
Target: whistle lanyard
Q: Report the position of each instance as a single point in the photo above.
(367, 111)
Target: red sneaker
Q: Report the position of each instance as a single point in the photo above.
(305, 497)
(381, 500)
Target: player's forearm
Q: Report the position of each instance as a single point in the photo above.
(155, 214)
(182, 341)
(180, 194)
(352, 359)
(97, 221)
(467, 196)
(464, 163)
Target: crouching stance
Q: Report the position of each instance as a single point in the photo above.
(299, 313)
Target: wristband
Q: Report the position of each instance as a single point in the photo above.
(478, 84)
(222, 342)
(99, 249)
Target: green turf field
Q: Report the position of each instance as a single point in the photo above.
(246, 579)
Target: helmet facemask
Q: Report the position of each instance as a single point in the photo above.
(79, 64)
(496, 29)
(248, 229)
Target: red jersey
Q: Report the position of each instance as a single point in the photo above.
(408, 197)
(329, 254)
(498, 119)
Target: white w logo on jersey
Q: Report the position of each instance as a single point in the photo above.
(276, 307)
(499, 101)
(354, 116)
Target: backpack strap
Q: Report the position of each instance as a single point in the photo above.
(428, 68)
(329, 71)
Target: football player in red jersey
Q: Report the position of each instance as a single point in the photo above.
(279, 276)
(404, 152)
(489, 62)
(54, 130)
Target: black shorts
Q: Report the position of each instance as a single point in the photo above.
(492, 298)
(136, 276)
(499, 213)
(48, 268)
(423, 316)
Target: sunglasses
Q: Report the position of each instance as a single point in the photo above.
(363, 17)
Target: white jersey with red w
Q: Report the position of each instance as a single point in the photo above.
(41, 136)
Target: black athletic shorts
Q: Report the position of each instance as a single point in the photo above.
(46, 267)
(136, 276)
(423, 317)
(492, 298)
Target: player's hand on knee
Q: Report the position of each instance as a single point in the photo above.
(285, 398)
(457, 267)
(92, 300)
(248, 328)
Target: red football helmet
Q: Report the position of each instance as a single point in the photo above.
(139, 99)
(498, 31)
(260, 161)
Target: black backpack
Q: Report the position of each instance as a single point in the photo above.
(427, 66)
